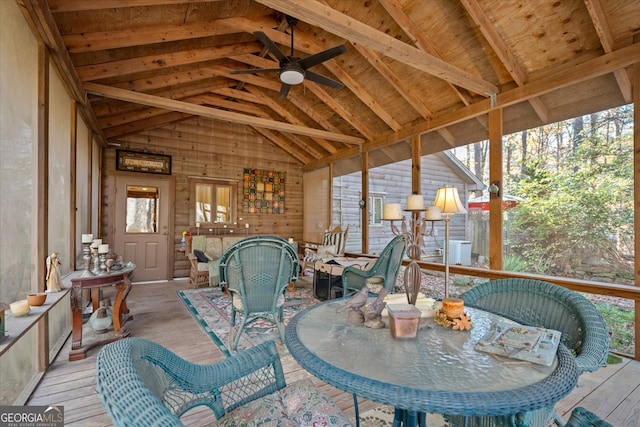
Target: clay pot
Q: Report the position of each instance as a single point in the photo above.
(37, 299)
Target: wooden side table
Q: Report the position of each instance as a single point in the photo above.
(121, 279)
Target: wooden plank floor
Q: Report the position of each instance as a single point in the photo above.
(612, 392)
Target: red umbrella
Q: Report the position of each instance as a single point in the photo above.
(508, 202)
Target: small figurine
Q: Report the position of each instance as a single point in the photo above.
(355, 303)
(373, 312)
(54, 280)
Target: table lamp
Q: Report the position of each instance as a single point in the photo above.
(448, 201)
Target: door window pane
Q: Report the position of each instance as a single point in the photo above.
(142, 209)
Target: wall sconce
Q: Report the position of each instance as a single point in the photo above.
(494, 190)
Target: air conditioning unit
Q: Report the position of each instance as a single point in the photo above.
(459, 252)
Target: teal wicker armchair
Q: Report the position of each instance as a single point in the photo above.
(387, 266)
(144, 384)
(538, 303)
(256, 271)
(580, 417)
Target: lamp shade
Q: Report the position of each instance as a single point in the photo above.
(448, 201)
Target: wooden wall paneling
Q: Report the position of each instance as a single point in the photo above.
(201, 148)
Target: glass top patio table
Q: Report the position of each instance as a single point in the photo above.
(440, 372)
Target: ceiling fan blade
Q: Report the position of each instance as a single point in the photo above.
(284, 90)
(314, 77)
(271, 46)
(254, 70)
(319, 57)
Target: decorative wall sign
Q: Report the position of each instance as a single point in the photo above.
(134, 161)
(263, 191)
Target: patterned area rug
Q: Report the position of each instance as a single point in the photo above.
(382, 416)
(212, 310)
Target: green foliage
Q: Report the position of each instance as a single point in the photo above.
(620, 322)
(514, 263)
(577, 204)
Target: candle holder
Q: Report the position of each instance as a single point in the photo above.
(95, 260)
(86, 259)
(103, 262)
(414, 234)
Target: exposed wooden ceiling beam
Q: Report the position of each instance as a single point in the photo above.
(519, 75)
(562, 78)
(158, 62)
(80, 5)
(91, 42)
(606, 40)
(356, 31)
(317, 90)
(289, 117)
(169, 104)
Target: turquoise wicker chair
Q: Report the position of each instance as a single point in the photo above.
(256, 271)
(141, 384)
(387, 266)
(538, 303)
(580, 417)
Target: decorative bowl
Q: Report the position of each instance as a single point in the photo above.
(36, 299)
(20, 308)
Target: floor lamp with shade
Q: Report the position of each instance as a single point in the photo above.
(448, 201)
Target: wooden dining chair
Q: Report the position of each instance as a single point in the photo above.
(538, 303)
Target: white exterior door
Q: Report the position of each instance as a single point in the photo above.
(142, 225)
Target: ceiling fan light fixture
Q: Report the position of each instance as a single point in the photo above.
(292, 75)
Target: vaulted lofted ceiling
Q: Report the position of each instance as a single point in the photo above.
(428, 68)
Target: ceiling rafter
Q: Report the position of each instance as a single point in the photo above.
(289, 117)
(474, 10)
(170, 104)
(158, 62)
(84, 5)
(552, 81)
(351, 29)
(594, 7)
(410, 96)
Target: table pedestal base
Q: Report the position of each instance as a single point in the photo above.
(404, 418)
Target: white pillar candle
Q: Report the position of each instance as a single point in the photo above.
(433, 213)
(290, 239)
(392, 211)
(197, 225)
(103, 249)
(87, 238)
(97, 242)
(246, 226)
(415, 202)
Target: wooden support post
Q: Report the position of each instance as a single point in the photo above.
(495, 175)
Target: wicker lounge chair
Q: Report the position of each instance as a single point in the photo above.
(386, 266)
(256, 271)
(144, 384)
(538, 303)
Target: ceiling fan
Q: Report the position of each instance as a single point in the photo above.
(294, 70)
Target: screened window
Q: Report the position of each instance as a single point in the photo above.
(212, 201)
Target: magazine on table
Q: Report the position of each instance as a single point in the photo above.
(529, 343)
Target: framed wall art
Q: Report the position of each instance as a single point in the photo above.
(133, 161)
(263, 191)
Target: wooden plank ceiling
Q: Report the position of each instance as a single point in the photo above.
(412, 67)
